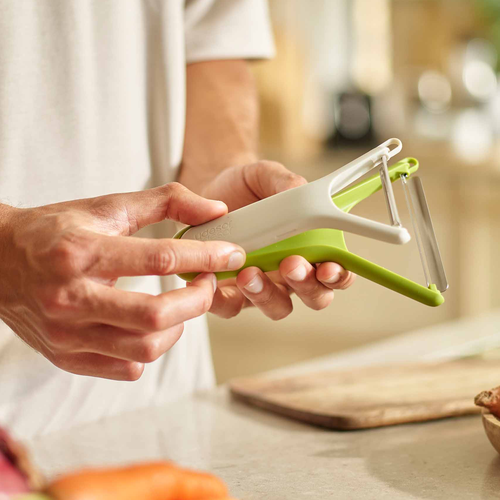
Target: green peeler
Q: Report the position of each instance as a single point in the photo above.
(310, 221)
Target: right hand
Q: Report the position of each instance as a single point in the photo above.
(58, 265)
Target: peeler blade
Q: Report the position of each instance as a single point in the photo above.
(389, 193)
(424, 232)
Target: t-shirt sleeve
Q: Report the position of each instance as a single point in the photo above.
(227, 29)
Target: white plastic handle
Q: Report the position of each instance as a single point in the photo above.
(351, 172)
(306, 207)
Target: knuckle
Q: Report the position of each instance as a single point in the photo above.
(292, 180)
(282, 313)
(153, 318)
(322, 302)
(275, 307)
(62, 252)
(113, 210)
(288, 178)
(55, 302)
(266, 164)
(149, 351)
(209, 258)
(262, 167)
(348, 281)
(173, 192)
(264, 298)
(227, 312)
(297, 179)
(316, 296)
(131, 372)
(315, 291)
(175, 187)
(233, 310)
(162, 262)
(69, 253)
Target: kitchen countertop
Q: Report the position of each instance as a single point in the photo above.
(263, 456)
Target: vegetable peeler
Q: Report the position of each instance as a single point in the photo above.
(310, 220)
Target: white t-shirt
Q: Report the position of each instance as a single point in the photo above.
(92, 101)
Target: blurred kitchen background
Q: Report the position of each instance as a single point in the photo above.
(348, 75)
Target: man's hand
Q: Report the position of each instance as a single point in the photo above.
(222, 131)
(58, 265)
(238, 187)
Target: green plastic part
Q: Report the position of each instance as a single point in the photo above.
(352, 195)
(328, 245)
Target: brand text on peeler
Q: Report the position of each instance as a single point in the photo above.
(215, 233)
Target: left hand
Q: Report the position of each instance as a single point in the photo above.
(270, 292)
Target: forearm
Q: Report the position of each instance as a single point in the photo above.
(7, 257)
(6, 215)
(10, 219)
(5, 212)
(221, 120)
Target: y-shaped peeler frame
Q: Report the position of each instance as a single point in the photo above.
(288, 219)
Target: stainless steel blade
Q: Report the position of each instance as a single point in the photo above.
(389, 193)
(424, 232)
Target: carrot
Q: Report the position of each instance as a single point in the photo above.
(194, 485)
(490, 400)
(150, 481)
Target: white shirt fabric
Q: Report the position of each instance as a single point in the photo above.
(92, 101)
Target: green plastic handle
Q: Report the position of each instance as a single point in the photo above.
(352, 195)
(328, 245)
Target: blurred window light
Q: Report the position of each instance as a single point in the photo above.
(434, 91)
(478, 74)
(494, 111)
(472, 136)
(372, 54)
(479, 49)
(325, 35)
(480, 80)
(434, 126)
(318, 112)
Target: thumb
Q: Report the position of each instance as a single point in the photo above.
(169, 202)
(267, 178)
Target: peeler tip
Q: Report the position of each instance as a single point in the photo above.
(403, 236)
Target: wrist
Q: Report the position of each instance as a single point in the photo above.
(11, 221)
(8, 217)
(7, 214)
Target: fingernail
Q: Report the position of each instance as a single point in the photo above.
(236, 260)
(297, 274)
(255, 285)
(221, 203)
(333, 278)
(201, 276)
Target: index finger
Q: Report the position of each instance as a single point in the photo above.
(116, 256)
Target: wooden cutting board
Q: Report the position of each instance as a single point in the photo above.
(361, 398)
